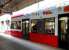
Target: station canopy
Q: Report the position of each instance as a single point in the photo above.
(41, 6)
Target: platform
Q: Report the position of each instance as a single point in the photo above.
(8, 42)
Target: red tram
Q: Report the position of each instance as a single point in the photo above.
(48, 30)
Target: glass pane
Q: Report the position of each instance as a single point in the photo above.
(19, 25)
(34, 26)
(37, 25)
(13, 25)
(50, 25)
(16, 25)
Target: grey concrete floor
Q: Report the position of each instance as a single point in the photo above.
(12, 43)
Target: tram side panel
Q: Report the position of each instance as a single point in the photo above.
(43, 31)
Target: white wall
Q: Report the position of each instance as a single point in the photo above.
(4, 26)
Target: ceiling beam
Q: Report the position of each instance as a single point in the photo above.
(1, 6)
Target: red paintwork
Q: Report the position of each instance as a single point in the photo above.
(38, 37)
(15, 33)
(66, 8)
(44, 39)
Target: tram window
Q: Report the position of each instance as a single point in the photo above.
(13, 26)
(37, 25)
(50, 25)
(19, 25)
(16, 25)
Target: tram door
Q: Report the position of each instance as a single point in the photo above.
(25, 28)
(63, 30)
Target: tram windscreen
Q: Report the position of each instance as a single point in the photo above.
(16, 25)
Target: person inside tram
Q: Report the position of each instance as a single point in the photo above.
(12, 25)
(18, 25)
(35, 28)
(48, 30)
